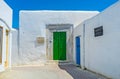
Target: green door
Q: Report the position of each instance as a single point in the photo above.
(55, 45)
(59, 45)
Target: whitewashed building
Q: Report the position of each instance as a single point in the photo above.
(91, 39)
(35, 35)
(99, 42)
(5, 35)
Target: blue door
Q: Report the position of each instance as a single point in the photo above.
(78, 50)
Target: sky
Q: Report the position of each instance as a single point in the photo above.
(84, 5)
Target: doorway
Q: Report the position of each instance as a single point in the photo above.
(78, 50)
(59, 45)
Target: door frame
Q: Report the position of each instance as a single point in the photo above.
(7, 49)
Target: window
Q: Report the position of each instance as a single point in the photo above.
(98, 31)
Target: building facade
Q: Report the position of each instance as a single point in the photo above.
(5, 35)
(39, 33)
(99, 42)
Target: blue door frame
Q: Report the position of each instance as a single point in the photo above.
(78, 50)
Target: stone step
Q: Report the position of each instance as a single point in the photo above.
(51, 62)
(42, 63)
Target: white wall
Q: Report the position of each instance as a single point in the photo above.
(79, 31)
(15, 54)
(33, 24)
(6, 13)
(102, 54)
(6, 23)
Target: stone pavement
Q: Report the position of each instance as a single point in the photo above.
(67, 71)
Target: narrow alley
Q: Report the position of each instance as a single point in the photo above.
(49, 71)
(59, 44)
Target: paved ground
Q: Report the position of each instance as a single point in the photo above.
(78, 73)
(67, 71)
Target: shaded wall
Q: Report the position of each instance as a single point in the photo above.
(79, 32)
(15, 54)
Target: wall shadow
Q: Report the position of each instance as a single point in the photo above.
(77, 73)
(71, 69)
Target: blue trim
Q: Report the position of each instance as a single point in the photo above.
(78, 51)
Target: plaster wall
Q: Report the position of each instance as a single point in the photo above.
(102, 53)
(33, 25)
(15, 54)
(6, 13)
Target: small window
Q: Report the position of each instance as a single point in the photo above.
(98, 31)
